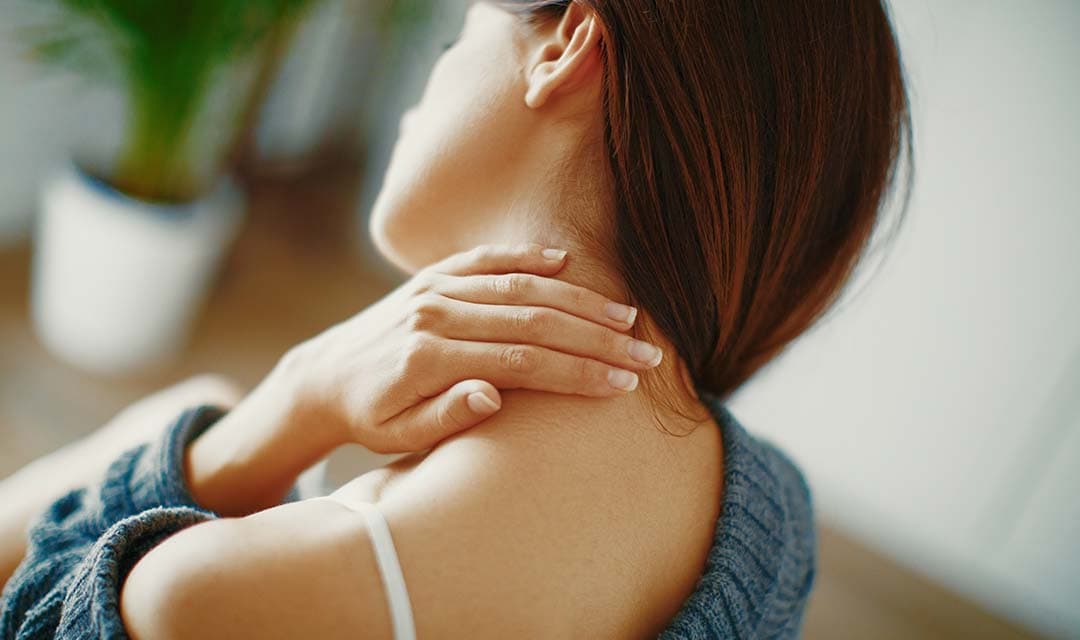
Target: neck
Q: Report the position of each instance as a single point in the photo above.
(578, 222)
(567, 208)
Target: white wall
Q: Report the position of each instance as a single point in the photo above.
(938, 412)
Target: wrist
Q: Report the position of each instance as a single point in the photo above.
(306, 396)
(250, 459)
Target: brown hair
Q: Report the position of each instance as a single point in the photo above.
(752, 145)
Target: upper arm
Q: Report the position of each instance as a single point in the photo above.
(307, 569)
(300, 570)
(477, 562)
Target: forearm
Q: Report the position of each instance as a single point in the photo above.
(27, 493)
(245, 463)
(78, 549)
(30, 491)
(250, 459)
(20, 508)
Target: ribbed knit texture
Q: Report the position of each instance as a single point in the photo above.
(754, 585)
(82, 548)
(760, 569)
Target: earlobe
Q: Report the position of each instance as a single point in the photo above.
(565, 61)
(540, 77)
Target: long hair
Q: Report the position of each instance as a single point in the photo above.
(751, 145)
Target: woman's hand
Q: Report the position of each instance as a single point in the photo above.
(427, 361)
(422, 364)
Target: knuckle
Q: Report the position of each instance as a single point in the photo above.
(414, 321)
(298, 358)
(523, 283)
(447, 421)
(293, 356)
(380, 446)
(417, 351)
(425, 312)
(480, 253)
(526, 322)
(423, 281)
(580, 298)
(593, 376)
(392, 440)
(544, 322)
(519, 359)
(407, 440)
(612, 342)
(586, 372)
(528, 249)
(501, 286)
(511, 286)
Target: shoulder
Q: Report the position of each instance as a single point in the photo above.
(578, 521)
(559, 526)
(300, 570)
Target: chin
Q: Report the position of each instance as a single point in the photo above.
(403, 239)
(389, 246)
(395, 228)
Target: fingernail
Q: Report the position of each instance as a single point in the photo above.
(620, 312)
(622, 379)
(480, 403)
(644, 352)
(555, 255)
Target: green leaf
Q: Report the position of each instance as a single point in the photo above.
(165, 55)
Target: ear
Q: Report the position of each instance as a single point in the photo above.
(565, 59)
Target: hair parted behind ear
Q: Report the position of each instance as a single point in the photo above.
(752, 146)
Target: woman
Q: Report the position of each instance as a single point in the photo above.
(713, 170)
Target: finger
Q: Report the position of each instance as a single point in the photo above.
(518, 366)
(422, 426)
(522, 289)
(544, 327)
(496, 259)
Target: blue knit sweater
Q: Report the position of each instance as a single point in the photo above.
(754, 585)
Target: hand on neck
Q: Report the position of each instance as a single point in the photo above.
(557, 221)
(557, 192)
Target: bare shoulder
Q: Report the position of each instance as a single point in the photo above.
(572, 517)
(301, 570)
(562, 521)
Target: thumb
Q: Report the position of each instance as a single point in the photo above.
(462, 406)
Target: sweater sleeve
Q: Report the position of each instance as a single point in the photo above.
(83, 547)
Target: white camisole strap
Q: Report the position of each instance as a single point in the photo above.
(390, 570)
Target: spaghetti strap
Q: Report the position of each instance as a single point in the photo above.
(390, 569)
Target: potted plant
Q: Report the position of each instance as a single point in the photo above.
(124, 253)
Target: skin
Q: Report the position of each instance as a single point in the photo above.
(33, 488)
(561, 512)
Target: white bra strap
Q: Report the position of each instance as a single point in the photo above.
(390, 570)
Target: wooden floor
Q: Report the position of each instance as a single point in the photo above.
(295, 270)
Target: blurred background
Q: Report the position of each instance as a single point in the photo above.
(936, 412)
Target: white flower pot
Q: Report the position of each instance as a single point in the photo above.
(117, 282)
